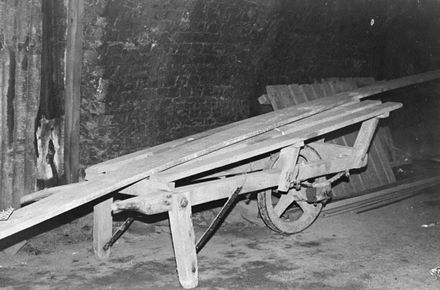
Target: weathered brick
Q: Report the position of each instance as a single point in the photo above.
(178, 67)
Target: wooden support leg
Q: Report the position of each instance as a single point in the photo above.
(182, 233)
(102, 227)
(287, 161)
(363, 141)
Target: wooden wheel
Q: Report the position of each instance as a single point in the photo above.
(285, 212)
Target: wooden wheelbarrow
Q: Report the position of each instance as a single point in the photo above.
(289, 168)
(281, 156)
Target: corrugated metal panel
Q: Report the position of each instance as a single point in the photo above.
(20, 50)
(378, 171)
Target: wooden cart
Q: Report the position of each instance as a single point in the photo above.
(282, 156)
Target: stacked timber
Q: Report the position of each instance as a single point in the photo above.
(382, 196)
(378, 171)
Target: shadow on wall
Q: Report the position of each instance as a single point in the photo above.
(415, 129)
(310, 40)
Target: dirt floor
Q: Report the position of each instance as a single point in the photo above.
(386, 248)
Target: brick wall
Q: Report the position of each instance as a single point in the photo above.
(157, 70)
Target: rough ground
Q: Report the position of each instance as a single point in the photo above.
(386, 248)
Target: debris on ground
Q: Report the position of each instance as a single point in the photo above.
(5, 214)
(435, 272)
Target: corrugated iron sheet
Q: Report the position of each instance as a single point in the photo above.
(20, 50)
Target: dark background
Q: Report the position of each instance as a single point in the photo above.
(156, 70)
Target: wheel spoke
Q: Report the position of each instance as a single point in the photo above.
(283, 203)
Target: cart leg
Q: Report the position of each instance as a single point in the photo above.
(363, 140)
(287, 160)
(102, 227)
(182, 233)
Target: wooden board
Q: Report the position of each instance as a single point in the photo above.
(155, 161)
(73, 95)
(200, 144)
(299, 131)
(395, 189)
(383, 86)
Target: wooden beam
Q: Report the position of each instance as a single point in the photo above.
(383, 194)
(201, 144)
(300, 131)
(73, 85)
(331, 150)
(363, 141)
(153, 203)
(287, 162)
(384, 86)
(161, 201)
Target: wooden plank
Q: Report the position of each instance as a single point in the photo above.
(182, 233)
(187, 169)
(19, 113)
(382, 160)
(364, 138)
(217, 138)
(317, 90)
(330, 150)
(297, 94)
(384, 157)
(384, 134)
(161, 201)
(308, 91)
(102, 227)
(33, 96)
(383, 86)
(327, 89)
(99, 185)
(203, 143)
(312, 127)
(279, 96)
(73, 84)
(8, 62)
(396, 187)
